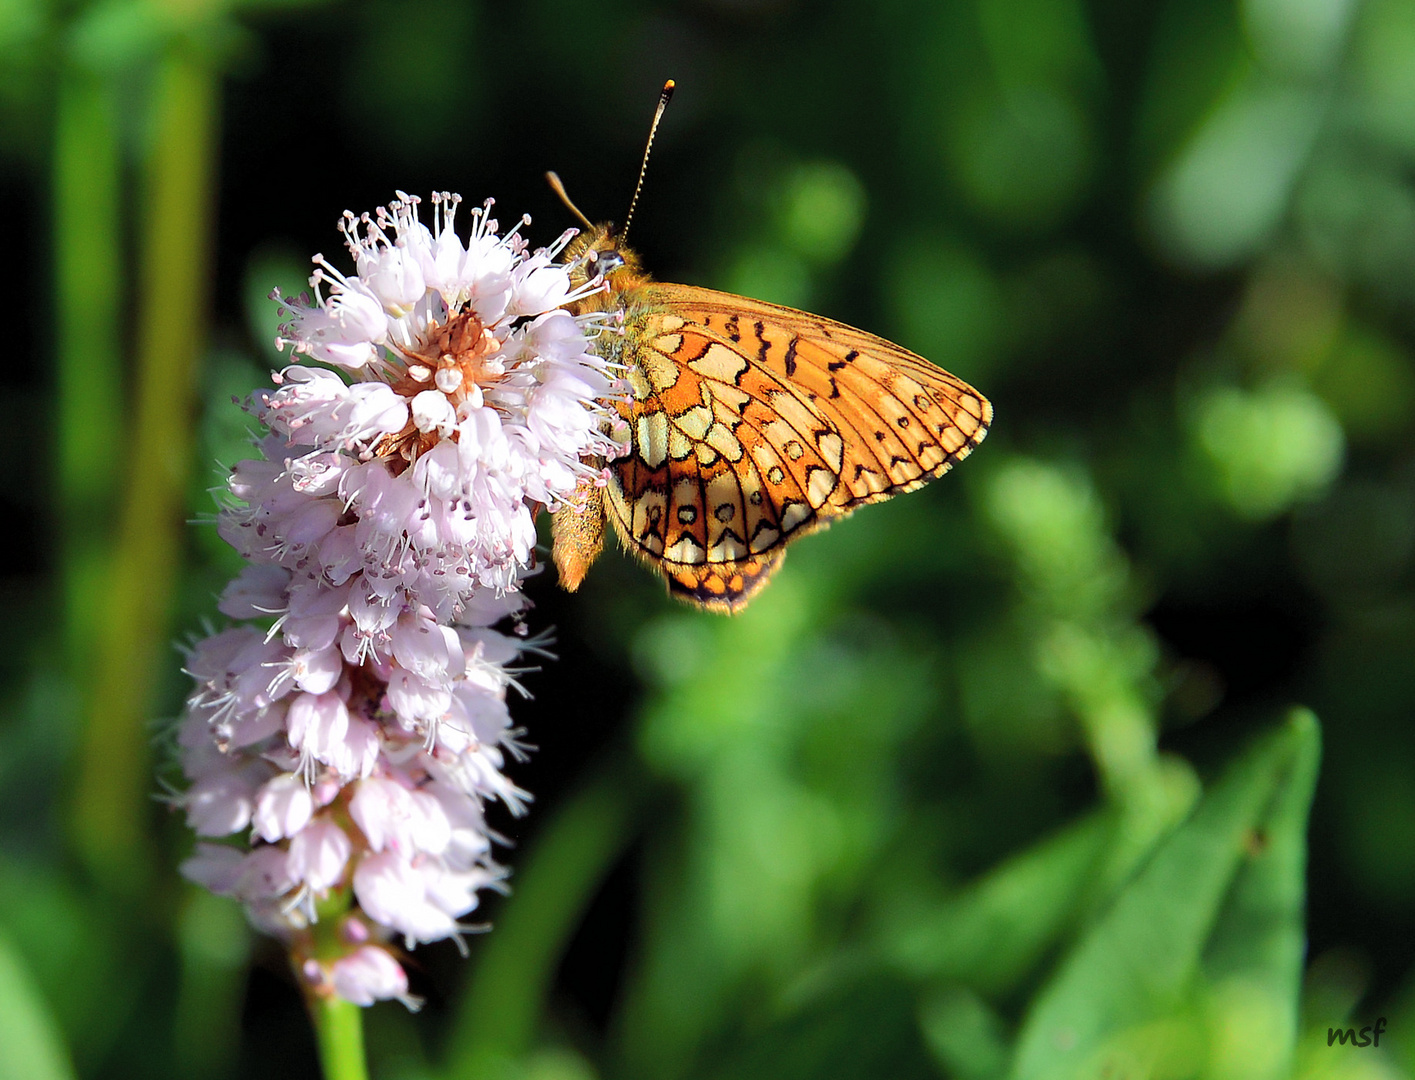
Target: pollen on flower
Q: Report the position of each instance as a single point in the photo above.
(343, 737)
(459, 358)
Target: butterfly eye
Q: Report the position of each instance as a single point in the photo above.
(606, 263)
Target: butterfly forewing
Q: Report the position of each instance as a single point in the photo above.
(752, 424)
(902, 420)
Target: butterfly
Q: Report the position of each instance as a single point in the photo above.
(749, 425)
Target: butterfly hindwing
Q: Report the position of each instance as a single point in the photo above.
(723, 587)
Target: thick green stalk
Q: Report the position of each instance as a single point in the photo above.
(339, 1031)
(88, 286)
(115, 777)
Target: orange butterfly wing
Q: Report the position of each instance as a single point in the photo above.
(752, 424)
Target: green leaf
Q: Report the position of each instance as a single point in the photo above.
(1206, 937)
(993, 933)
(32, 1048)
(79, 952)
(967, 1038)
(1253, 961)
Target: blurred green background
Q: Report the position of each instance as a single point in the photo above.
(1011, 776)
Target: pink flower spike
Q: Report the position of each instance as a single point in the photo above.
(354, 722)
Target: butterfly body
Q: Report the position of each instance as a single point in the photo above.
(749, 425)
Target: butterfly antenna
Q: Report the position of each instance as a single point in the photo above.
(663, 99)
(556, 186)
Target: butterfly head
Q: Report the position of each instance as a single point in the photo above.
(598, 255)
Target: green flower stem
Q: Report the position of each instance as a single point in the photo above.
(88, 284)
(501, 1007)
(339, 1030)
(114, 778)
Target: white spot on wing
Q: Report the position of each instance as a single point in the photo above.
(819, 486)
(720, 437)
(728, 549)
(662, 372)
(765, 538)
(722, 490)
(720, 363)
(794, 514)
(686, 550)
(679, 447)
(695, 421)
(653, 438)
(832, 448)
(639, 384)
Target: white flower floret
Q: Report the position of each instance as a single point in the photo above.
(282, 808)
(367, 975)
(318, 855)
